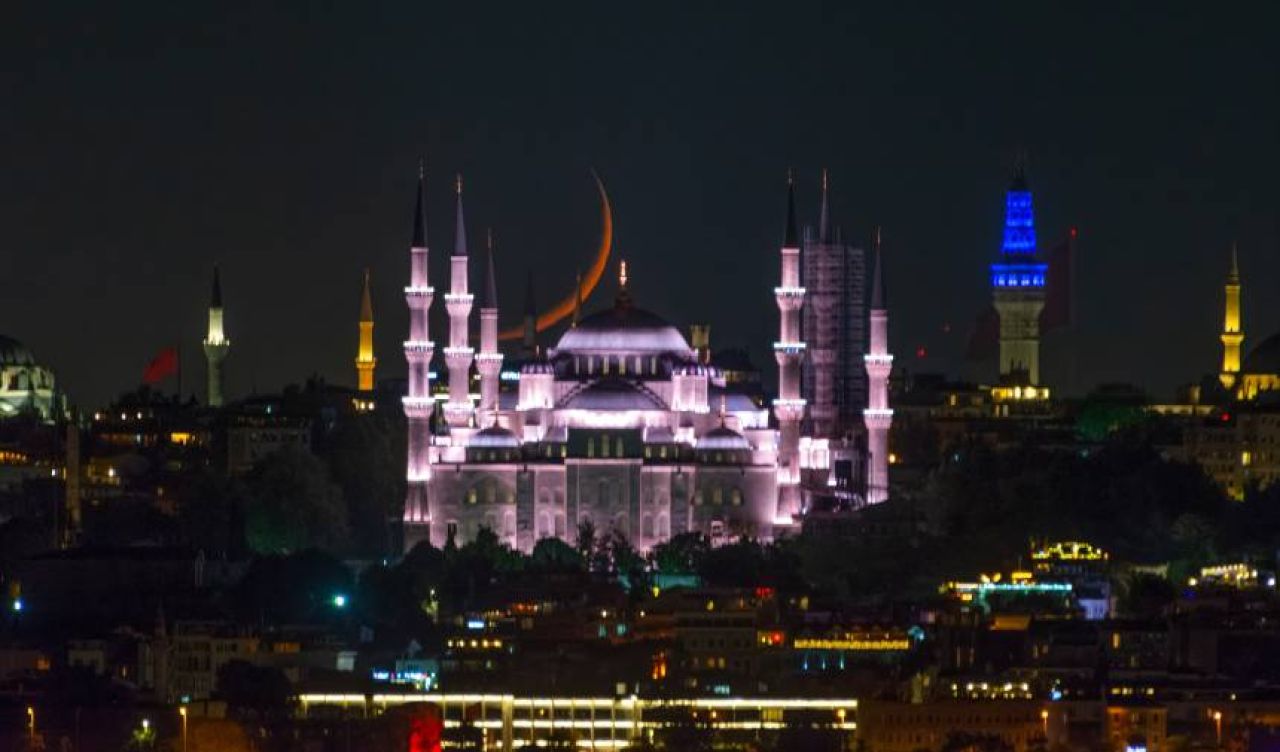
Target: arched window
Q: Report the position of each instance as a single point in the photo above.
(736, 497)
(490, 493)
(664, 525)
(646, 525)
(617, 447)
(591, 447)
(472, 495)
(717, 496)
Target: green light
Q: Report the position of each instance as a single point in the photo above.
(339, 601)
(17, 604)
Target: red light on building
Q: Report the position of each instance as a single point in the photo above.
(921, 351)
(763, 592)
(425, 730)
(1074, 231)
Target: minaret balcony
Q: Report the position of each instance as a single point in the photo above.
(418, 407)
(789, 409)
(417, 351)
(413, 292)
(789, 348)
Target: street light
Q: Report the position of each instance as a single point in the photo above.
(31, 725)
(182, 711)
(1217, 725)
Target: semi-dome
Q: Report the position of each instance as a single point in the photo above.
(722, 438)
(14, 353)
(1265, 358)
(494, 437)
(624, 329)
(613, 394)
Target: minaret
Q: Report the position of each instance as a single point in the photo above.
(1017, 284)
(459, 354)
(878, 416)
(529, 340)
(365, 361)
(1232, 336)
(418, 404)
(489, 361)
(788, 408)
(216, 345)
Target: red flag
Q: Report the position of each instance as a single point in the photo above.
(1057, 297)
(162, 366)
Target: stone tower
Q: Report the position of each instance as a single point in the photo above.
(418, 403)
(789, 407)
(1232, 335)
(878, 416)
(365, 361)
(1017, 286)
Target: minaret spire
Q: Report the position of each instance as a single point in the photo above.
(878, 416)
(1232, 336)
(459, 354)
(365, 361)
(824, 214)
(418, 403)
(789, 407)
(489, 361)
(216, 345)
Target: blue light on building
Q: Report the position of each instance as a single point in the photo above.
(1019, 225)
(1018, 275)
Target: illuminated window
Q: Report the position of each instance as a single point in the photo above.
(471, 496)
(736, 497)
(591, 448)
(604, 445)
(617, 447)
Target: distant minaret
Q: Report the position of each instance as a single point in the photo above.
(878, 416)
(365, 361)
(418, 404)
(459, 354)
(789, 352)
(1017, 285)
(529, 338)
(489, 361)
(1232, 335)
(216, 345)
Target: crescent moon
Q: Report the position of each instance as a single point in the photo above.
(563, 309)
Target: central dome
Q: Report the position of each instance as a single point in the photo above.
(624, 329)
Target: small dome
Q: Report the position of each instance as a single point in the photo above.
(624, 329)
(1265, 358)
(14, 353)
(494, 437)
(722, 438)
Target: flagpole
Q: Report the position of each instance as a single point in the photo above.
(178, 348)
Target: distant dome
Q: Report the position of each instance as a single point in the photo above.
(1265, 358)
(494, 437)
(14, 353)
(722, 438)
(624, 329)
(613, 394)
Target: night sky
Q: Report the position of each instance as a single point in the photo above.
(143, 142)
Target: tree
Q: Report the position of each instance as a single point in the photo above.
(362, 455)
(681, 554)
(293, 504)
(964, 741)
(296, 588)
(1146, 596)
(211, 515)
(554, 556)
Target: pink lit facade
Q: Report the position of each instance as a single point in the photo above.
(418, 403)
(620, 423)
(789, 350)
(878, 416)
(459, 354)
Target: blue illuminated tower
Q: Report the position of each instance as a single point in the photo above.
(1017, 287)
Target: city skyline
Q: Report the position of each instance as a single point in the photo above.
(163, 197)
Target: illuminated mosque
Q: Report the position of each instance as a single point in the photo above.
(1259, 372)
(25, 385)
(622, 423)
